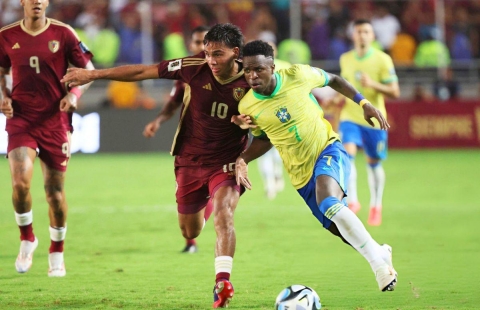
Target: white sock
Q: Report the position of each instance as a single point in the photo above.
(352, 183)
(376, 183)
(24, 219)
(266, 166)
(223, 264)
(352, 230)
(57, 233)
(278, 164)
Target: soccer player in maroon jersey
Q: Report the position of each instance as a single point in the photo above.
(38, 50)
(207, 143)
(168, 110)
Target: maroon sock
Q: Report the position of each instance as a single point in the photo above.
(191, 242)
(26, 233)
(222, 276)
(56, 246)
(208, 210)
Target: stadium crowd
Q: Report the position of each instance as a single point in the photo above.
(112, 28)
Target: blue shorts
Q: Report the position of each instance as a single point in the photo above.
(373, 141)
(334, 162)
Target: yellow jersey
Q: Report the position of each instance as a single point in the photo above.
(379, 67)
(292, 119)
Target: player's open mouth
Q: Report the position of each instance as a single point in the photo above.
(38, 10)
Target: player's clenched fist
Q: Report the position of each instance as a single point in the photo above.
(151, 128)
(6, 107)
(68, 103)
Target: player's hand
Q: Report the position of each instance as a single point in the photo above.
(370, 111)
(243, 121)
(151, 128)
(365, 80)
(77, 77)
(68, 103)
(6, 107)
(241, 173)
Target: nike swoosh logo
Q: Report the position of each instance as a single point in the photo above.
(256, 116)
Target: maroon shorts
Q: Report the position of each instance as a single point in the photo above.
(196, 184)
(53, 146)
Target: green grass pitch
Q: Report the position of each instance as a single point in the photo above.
(123, 242)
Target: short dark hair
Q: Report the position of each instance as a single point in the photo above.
(201, 28)
(361, 21)
(228, 34)
(258, 47)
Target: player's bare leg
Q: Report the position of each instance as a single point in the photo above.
(21, 169)
(329, 198)
(352, 198)
(191, 225)
(376, 183)
(224, 202)
(55, 193)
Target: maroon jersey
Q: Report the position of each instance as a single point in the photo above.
(39, 60)
(178, 90)
(205, 133)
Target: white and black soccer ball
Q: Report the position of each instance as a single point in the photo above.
(298, 297)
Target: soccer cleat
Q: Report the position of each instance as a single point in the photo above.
(354, 206)
(56, 265)
(190, 248)
(375, 216)
(386, 278)
(222, 294)
(387, 256)
(25, 256)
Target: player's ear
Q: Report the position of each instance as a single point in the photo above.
(236, 52)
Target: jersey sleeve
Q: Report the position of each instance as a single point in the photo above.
(387, 73)
(4, 59)
(178, 91)
(182, 69)
(77, 52)
(258, 133)
(316, 77)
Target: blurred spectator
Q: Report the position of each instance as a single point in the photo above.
(338, 17)
(463, 33)
(10, 11)
(240, 13)
(318, 39)
(131, 36)
(403, 49)
(174, 46)
(103, 42)
(446, 87)
(262, 21)
(420, 94)
(294, 51)
(281, 12)
(385, 25)
(127, 95)
(432, 52)
(411, 17)
(338, 45)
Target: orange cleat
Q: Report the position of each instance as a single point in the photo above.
(375, 216)
(354, 206)
(222, 294)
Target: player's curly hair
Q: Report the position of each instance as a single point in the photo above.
(228, 34)
(258, 47)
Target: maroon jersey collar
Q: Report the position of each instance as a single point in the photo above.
(35, 33)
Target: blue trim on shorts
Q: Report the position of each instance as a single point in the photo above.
(334, 162)
(373, 141)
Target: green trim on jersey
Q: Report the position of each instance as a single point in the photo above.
(367, 55)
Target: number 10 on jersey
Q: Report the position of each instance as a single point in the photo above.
(219, 110)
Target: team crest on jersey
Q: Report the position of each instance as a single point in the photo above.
(282, 114)
(238, 93)
(358, 75)
(53, 46)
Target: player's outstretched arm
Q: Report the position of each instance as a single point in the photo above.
(6, 102)
(167, 112)
(345, 88)
(69, 102)
(243, 121)
(129, 73)
(256, 149)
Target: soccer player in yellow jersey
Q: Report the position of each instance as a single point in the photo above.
(284, 113)
(371, 71)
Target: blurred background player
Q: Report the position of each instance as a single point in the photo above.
(371, 71)
(270, 164)
(286, 115)
(207, 143)
(169, 109)
(39, 112)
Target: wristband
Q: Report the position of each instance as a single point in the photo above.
(359, 99)
(77, 92)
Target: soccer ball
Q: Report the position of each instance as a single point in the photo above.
(298, 297)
